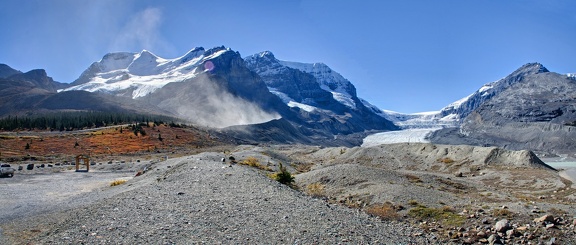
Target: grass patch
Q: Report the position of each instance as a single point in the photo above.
(500, 212)
(444, 215)
(413, 203)
(446, 160)
(118, 182)
(302, 167)
(315, 189)
(386, 211)
(253, 162)
(413, 178)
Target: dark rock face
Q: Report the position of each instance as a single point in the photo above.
(530, 109)
(38, 78)
(300, 86)
(21, 92)
(311, 86)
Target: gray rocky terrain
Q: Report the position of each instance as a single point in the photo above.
(388, 194)
(198, 199)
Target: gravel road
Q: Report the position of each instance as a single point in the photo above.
(198, 199)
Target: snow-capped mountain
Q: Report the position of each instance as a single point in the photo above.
(453, 114)
(460, 109)
(139, 74)
(200, 86)
(532, 108)
(320, 93)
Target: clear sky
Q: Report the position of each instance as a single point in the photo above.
(406, 56)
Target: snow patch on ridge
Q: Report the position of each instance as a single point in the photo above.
(302, 106)
(290, 102)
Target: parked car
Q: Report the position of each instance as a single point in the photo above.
(6, 170)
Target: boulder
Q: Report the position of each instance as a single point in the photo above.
(546, 218)
(502, 226)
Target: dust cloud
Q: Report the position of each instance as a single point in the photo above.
(206, 103)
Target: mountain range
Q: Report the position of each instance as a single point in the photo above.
(259, 98)
(215, 88)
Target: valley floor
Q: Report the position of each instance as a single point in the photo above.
(413, 193)
(198, 199)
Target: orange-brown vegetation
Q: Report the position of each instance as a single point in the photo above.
(107, 141)
(386, 211)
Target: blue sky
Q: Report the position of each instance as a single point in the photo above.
(407, 56)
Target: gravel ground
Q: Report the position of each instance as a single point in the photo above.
(198, 199)
(28, 195)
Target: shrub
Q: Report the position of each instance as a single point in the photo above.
(283, 176)
(413, 202)
(315, 189)
(118, 182)
(253, 162)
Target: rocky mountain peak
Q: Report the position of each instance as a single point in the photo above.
(463, 107)
(264, 63)
(6, 71)
(267, 55)
(533, 68)
(523, 71)
(194, 53)
(215, 50)
(37, 78)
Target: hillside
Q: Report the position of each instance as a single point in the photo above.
(103, 142)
